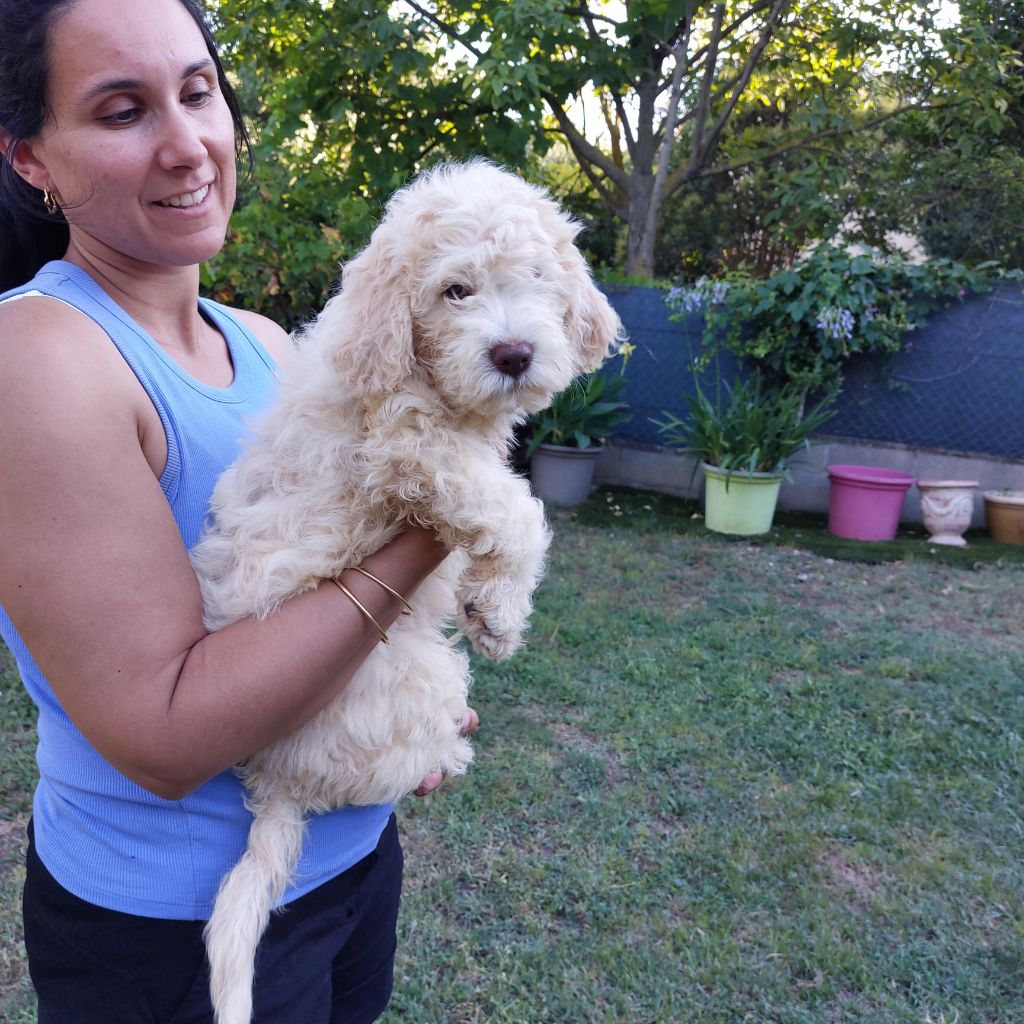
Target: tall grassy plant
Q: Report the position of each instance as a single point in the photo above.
(582, 415)
(747, 427)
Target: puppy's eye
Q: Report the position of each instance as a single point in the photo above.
(458, 292)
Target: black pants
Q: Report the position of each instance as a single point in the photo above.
(327, 958)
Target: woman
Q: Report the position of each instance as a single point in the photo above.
(122, 397)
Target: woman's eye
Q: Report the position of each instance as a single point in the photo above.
(457, 292)
(197, 99)
(126, 116)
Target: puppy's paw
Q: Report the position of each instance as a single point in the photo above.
(453, 761)
(460, 757)
(493, 629)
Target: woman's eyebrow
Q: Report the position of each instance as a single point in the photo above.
(127, 84)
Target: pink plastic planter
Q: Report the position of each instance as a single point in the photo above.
(865, 501)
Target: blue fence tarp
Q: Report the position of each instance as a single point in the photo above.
(956, 385)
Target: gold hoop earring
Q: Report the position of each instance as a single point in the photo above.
(51, 204)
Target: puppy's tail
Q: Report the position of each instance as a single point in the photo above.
(242, 909)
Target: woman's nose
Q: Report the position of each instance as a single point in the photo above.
(181, 142)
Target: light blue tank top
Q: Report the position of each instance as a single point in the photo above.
(104, 838)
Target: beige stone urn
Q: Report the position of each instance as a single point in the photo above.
(946, 508)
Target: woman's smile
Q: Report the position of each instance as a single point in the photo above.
(186, 200)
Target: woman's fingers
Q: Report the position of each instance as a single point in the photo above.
(430, 782)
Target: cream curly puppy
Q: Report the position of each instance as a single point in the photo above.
(470, 308)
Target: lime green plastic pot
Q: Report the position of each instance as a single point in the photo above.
(740, 503)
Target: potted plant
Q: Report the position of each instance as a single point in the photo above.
(566, 438)
(744, 437)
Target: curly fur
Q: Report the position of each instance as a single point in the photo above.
(393, 409)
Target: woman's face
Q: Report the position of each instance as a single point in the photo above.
(139, 150)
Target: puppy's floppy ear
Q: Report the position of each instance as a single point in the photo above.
(592, 326)
(368, 324)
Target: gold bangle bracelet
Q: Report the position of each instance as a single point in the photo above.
(391, 590)
(355, 600)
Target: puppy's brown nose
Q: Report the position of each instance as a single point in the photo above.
(512, 358)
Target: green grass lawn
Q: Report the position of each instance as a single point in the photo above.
(725, 781)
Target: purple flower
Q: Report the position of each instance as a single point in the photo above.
(696, 297)
(836, 322)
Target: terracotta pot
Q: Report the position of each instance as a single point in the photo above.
(946, 508)
(1004, 516)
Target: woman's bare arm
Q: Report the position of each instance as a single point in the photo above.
(96, 579)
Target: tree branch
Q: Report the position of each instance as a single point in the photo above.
(703, 110)
(678, 180)
(699, 55)
(607, 195)
(668, 134)
(584, 150)
(767, 30)
(624, 121)
(447, 29)
(589, 17)
(612, 124)
(583, 11)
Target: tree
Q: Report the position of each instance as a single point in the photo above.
(658, 101)
(347, 102)
(869, 146)
(955, 176)
(671, 79)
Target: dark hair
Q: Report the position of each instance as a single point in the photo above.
(29, 235)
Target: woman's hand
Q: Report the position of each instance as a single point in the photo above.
(470, 723)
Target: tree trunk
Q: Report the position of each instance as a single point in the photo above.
(640, 239)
